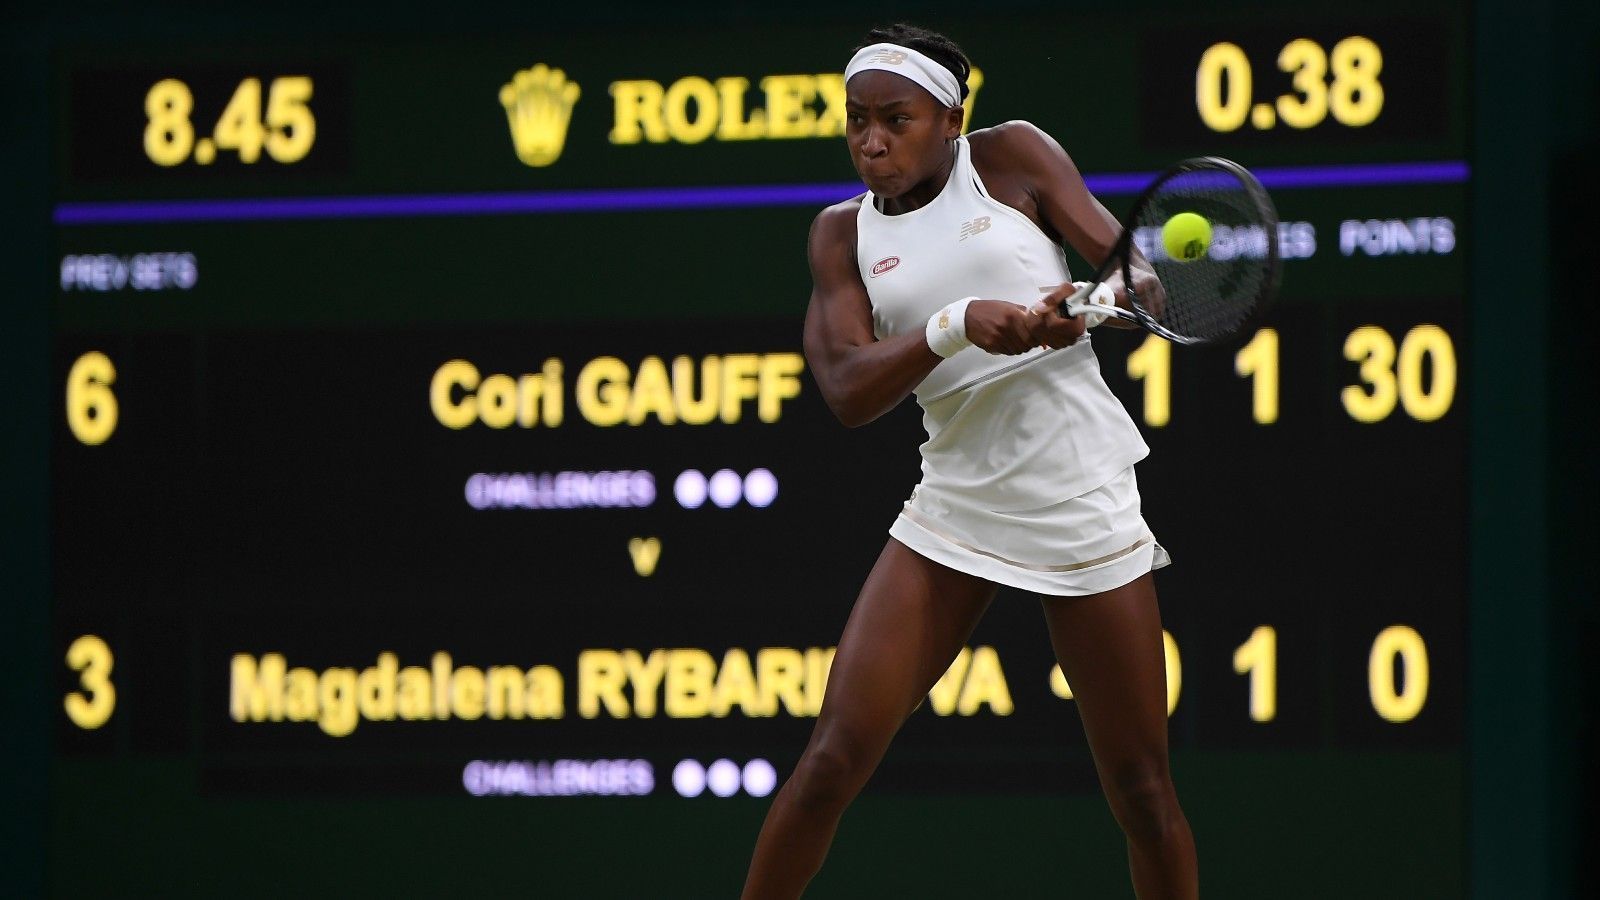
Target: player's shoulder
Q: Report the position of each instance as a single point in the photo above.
(1017, 142)
(837, 222)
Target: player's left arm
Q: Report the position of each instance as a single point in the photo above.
(1064, 202)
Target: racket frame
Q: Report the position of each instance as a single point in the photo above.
(1121, 256)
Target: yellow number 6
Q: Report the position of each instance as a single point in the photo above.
(91, 407)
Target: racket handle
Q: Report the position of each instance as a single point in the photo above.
(1095, 302)
(1076, 298)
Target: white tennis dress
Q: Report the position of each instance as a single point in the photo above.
(1027, 473)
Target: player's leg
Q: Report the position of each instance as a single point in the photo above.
(1110, 649)
(910, 621)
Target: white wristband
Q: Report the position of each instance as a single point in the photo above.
(1102, 295)
(947, 329)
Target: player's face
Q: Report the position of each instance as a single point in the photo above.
(897, 132)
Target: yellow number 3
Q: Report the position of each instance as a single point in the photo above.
(91, 659)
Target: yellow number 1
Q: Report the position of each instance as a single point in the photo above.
(1152, 363)
(1258, 656)
(1259, 358)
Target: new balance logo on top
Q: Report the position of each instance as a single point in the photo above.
(976, 226)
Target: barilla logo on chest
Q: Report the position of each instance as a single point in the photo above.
(884, 265)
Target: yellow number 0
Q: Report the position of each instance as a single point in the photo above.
(1220, 61)
(91, 658)
(1403, 643)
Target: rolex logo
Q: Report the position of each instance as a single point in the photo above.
(538, 104)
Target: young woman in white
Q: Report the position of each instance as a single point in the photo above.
(942, 280)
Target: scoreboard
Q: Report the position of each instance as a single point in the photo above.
(432, 438)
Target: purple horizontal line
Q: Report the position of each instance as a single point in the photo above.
(1450, 171)
(637, 199)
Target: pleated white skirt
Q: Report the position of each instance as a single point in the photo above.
(1090, 543)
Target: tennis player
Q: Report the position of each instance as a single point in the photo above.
(1027, 473)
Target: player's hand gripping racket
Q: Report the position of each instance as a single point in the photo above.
(1210, 233)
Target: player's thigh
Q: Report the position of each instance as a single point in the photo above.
(910, 620)
(1110, 649)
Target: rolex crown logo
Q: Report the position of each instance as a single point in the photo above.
(538, 104)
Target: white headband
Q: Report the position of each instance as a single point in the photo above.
(908, 63)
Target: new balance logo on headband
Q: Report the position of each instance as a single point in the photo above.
(908, 62)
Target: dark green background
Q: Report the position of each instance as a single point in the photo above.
(1531, 86)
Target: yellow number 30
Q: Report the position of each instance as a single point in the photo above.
(91, 659)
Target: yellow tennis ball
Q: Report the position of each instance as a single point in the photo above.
(1186, 236)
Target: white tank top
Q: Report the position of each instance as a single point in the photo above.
(1009, 432)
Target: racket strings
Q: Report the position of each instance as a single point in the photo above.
(1210, 295)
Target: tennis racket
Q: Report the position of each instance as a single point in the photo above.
(1210, 232)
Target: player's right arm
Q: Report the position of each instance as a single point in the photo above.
(860, 376)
